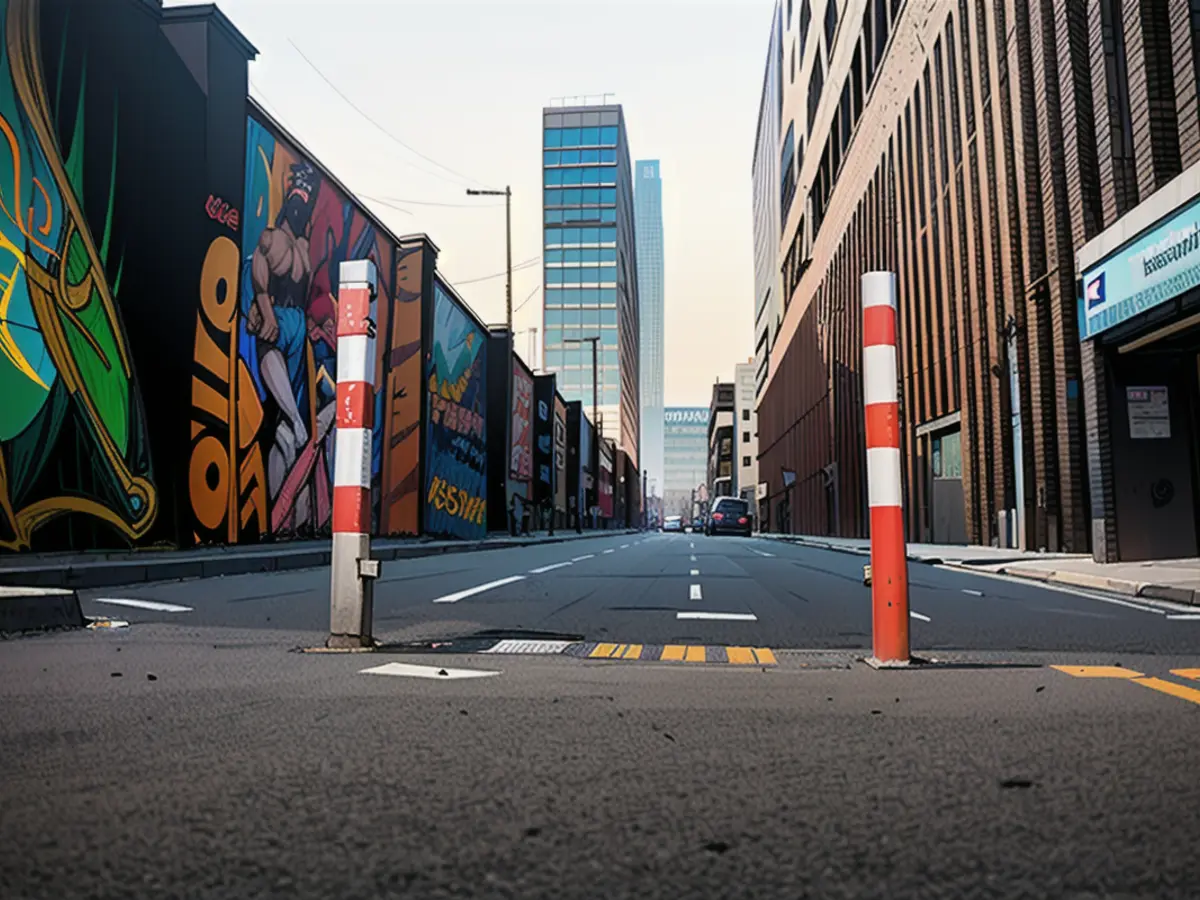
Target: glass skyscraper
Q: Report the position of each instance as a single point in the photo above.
(647, 203)
(685, 456)
(590, 264)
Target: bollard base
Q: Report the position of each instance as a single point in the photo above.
(349, 642)
(887, 663)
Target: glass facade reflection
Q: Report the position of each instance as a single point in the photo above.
(589, 264)
(647, 201)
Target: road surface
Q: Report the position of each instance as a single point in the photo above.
(688, 717)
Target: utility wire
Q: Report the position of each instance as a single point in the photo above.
(536, 288)
(387, 200)
(523, 265)
(407, 212)
(358, 109)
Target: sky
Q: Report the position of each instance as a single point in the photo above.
(462, 83)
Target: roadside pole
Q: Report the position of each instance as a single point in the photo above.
(351, 609)
(889, 562)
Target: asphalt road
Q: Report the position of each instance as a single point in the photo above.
(197, 754)
(632, 589)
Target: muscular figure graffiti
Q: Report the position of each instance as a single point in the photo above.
(299, 228)
(72, 437)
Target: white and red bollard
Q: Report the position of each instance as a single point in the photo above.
(889, 559)
(351, 608)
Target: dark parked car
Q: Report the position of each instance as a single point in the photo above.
(729, 515)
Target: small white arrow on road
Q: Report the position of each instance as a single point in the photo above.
(434, 673)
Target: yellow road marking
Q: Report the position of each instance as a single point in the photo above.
(632, 651)
(673, 652)
(1193, 674)
(740, 656)
(765, 656)
(1098, 671)
(603, 650)
(694, 654)
(1169, 687)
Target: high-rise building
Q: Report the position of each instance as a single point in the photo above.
(590, 265)
(647, 203)
(722, 473)
(685, 457)
(1031, 175)
(745, 421)
(767, 195)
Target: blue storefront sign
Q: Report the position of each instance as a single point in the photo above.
(1157, 267)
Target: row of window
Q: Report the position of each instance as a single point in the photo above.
(568, 297)
(578, 157)
(585, 214)
(580, 196)
(585, 255)
(581, 137)
(557, 237)
(586, 318)
(608, 396)
(608, 337)
(583, 275)
(579, 176)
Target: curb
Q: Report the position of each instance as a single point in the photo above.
(1150, 591)
(111, 573)
(24, 609)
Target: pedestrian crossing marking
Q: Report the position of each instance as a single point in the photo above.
(765, 656)
(741, 656)
(682, 653)
(694, 654)
(674, 652)
(603, 651)
(632, 651)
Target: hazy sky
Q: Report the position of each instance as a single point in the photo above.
(464, 83)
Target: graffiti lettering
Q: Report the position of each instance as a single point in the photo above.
(456, 501)
(225, 410)
(457, 418)
(221, 211)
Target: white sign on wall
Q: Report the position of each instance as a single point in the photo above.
(1149, 412)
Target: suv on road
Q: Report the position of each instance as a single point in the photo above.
(729, 515)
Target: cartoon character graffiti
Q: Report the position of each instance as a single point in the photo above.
(72, 433)
(299, 229)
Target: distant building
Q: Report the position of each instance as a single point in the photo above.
(722, 475)
(745, 450)
(773, 179)
(590, 265)
(647, 203)
(685, 457)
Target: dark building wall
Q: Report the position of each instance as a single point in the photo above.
(499, 349)
(1020, 130)
(543, 440)
(120, 184)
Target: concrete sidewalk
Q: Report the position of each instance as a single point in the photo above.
(1176, 580)
(106, 569)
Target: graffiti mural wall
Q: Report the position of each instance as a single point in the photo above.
(298, 227)
(456, 449)
(520, 468)
(102, 243)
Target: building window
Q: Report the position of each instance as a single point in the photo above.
(745, 462)
(745, 437)
(805, 21)
(831, 21)
(745, 415)
(789, 13)
(787, 173)
(816, 84)
(793, 76)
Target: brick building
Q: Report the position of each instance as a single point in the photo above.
(974, 148)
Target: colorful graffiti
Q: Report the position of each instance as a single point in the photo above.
(400, 482)
(298, 229)
(456, 451)
(73, 437)
(560, 454)
(520, 468)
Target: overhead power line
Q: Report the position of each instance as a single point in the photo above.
(358, 109)
(536, 288)
(521, 265)
(387, 201)
(407, 212)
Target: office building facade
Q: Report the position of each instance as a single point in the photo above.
(722, 431)
(745, 451)
(685, 457)
(647, 201)
(590, 265)
(765, 188)
(976, 150)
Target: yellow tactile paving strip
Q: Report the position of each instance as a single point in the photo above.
(1161, 685)
(685, 653)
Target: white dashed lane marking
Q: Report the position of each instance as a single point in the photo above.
(434, 673)
(143, 604)
(718, 616)
(582, 558)
(478, 589)
(694, 594)
(917, 615)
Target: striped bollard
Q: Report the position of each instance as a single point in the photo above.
(351, 609)
(889, 562)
